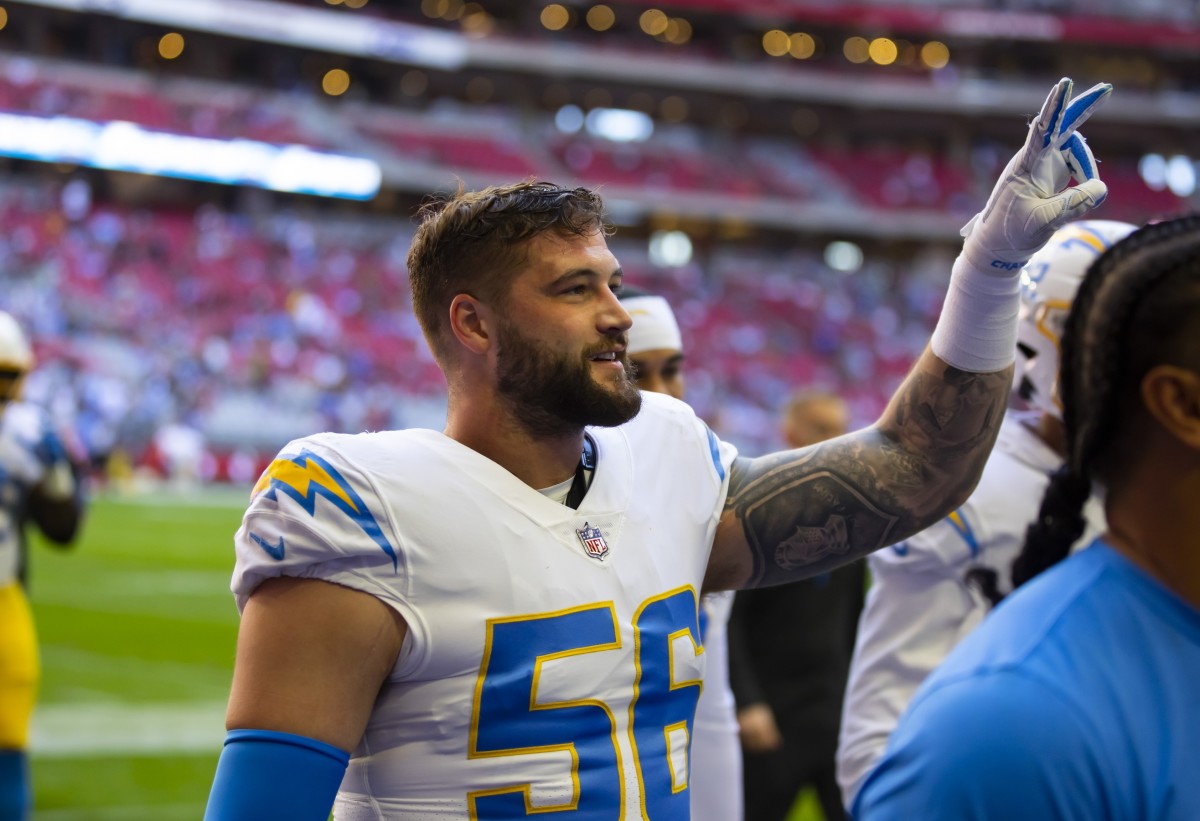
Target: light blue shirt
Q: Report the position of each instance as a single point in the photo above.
(1078, 698)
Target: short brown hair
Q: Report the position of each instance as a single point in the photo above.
(472, 241)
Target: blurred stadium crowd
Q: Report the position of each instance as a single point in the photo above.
(791, 175)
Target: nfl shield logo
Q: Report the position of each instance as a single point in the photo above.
(593, 541)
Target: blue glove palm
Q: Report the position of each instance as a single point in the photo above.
(1031, 200)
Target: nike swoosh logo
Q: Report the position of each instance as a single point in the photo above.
(275, 551)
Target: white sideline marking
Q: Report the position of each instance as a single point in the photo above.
(71, 730)
(137, 812)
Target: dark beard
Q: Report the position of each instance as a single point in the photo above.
(555, 394)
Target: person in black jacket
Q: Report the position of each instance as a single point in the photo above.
(789, 684)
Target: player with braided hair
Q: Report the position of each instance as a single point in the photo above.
(1076, 698)
(929, 592)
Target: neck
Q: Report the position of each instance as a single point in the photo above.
(488, 428)
(1153, 520)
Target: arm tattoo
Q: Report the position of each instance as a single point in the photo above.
(806, 511)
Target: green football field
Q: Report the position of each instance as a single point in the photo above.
(137, 630)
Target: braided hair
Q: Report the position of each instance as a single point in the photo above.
(1131, 313)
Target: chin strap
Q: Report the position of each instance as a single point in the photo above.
(583, 473)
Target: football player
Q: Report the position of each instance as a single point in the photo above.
(655, 350)
(1077, 698)
(428, 631)
(930, 591)
(38, 484)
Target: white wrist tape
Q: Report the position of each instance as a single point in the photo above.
(977, 330)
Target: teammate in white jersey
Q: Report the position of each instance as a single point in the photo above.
(38, 484)
(424, 629)
(1076, 698)
(655, 349)
(931, 590)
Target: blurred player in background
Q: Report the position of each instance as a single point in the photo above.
(1077, 698)
(655, 349)
(789, 688)
(38, 484)
(930, 591)
(500, 619)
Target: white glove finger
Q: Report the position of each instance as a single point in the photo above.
(1081, 107)
(1067, 206)
(1079, 158)
(1049, 119)
(1044, 128)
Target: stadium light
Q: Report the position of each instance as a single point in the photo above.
(670, 249)
(843, 256)
(1181, 176)
(802, 45)
(601, 17)
(284, 23)
(935, 54)
(1153, 170)
(654, 22)
(569, 119)
(123, 146)
(336, 82)
(883, 51)
(619, 124)
(555, 17)
(776, 42)
(170, 45)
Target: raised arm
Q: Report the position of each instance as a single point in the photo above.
(798, 513)
(793, 514)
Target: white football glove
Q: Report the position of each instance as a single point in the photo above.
(1031, 201)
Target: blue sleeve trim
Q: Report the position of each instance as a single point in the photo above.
(962, 527)
(234, 736)
(714, 447)
(269, 774)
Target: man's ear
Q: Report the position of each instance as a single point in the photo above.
(1172, 396)
(472, 322)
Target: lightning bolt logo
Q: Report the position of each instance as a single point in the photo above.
(307, 476)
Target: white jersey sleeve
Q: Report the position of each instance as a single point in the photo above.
(920, 605)
(312, 514)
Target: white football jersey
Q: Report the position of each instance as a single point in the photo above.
(23, 428)
(553, 657)
(920, 605)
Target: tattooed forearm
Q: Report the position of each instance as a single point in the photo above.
(803, 512)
